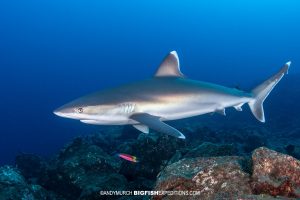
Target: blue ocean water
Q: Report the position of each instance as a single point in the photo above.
(54, 51)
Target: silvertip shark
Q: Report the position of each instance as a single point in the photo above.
(168, 95)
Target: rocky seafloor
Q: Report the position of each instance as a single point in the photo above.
(245, 163)
(222, 158)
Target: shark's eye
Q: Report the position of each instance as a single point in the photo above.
(79, 110)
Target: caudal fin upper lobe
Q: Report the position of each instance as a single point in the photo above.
(261, 92)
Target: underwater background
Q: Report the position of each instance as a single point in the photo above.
(54, 51)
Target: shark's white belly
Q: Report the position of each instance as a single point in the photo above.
(179, 111)
(167, 108)
(166, 111)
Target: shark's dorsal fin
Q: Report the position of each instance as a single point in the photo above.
(169, 66)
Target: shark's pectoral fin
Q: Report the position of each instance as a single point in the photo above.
(169, 66)
(156, 124)
(141, 127)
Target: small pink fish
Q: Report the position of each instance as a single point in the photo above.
(128, 157)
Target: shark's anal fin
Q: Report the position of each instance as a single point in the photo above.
(156, 124)
(142, 128)
(170, 66)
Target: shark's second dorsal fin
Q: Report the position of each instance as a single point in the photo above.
(169, 66)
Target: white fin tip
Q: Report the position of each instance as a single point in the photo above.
(181, 136)
(288, 66)
(173, 52)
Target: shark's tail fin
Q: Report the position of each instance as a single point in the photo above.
(261, 92)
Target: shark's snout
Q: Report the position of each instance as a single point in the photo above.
(64, 112)
(70, 111)
(58, 113)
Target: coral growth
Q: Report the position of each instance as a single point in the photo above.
(213, 177)
(275, 173)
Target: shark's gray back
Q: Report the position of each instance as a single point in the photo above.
(157, 88)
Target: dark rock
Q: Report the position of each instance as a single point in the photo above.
(208, 149)
(296, 152)
(176, 157)
(82, 170)
(232, 136)
(141, 184)
(243, 139)
(136, 197)
(293, 150)
(213, 177)
(275, 173)
(79, 143)
(253, 141)
(294, 133)
(141, 169)
(290, 149)
(263, 197)
(31, 166)
(196, 135)
(153, 153)
(13, 186)
(151, 136)
(99, 140)
(109, 138)
(81, 154)
(59, 182)
(129, 132)
(92, 184)
(11, 176)
(88, 158)
(246, 164)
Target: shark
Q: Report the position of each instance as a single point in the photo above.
(168, 95)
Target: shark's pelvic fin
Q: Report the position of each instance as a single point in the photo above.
(142, 128)
(239, 107)
(221, 111)
(261, 92)
(170, 66)
(156, 124)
